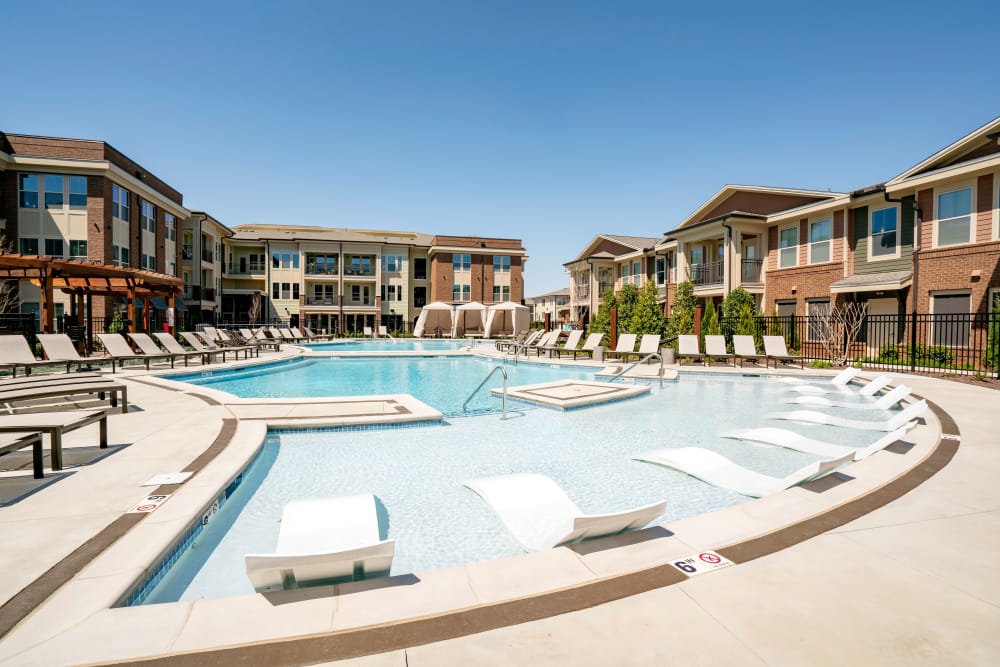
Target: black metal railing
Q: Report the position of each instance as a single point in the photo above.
(751, 270)
(706, 274)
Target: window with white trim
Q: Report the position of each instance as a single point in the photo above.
(120, 203)
(169, 227)
(819, 241)
(77, 249)
(461, 292)
(53, 190)
(661, 270)
(461, 262)
(28, 246)
(954, 217)
(501, 263)
(788, 244)
(501, 293)
(951, 312)
(884, 239)
(28, 191)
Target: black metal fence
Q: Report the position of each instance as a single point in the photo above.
(918, 343)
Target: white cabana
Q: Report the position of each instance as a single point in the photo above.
(470, 319)
(506, 319)
(435, 319)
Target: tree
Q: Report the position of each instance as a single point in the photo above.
(710, 322)
(682, 316)
(732, 307)
(746, 324)
(628, 298)
(10, 293)
(601, 322)
(839, 330)
(253, 313)
(647, 316)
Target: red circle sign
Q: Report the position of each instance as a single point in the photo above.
(145, 508)
(710, 558)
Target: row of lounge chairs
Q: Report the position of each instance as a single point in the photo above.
(539, 342)
(744, 349)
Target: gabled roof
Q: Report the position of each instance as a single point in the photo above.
(609, 246)
(768, 200)
(977, 139)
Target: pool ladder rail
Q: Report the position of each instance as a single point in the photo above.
(642, 361)
(486, 379)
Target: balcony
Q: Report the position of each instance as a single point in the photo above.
(208, 294)
(187, 253)
(207, 255)
(706, 274)
(361, 303)
(320, 270)
(355, 272)
(245, 269)
(581, 292)
(604, 287)
(751, 270)
(322, 301)
(192, 292)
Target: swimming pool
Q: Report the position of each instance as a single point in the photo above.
(417, 475)
(396, 345)
(441, 382)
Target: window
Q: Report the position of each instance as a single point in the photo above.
(420, 269)
(119, 203)
(461, 292)
(77, 249)
(275, 260)
(501, 263)
(295, 290)
(54, 247)
(461, 262)
(419, 297)
(147, 216)
(951, 315)
(148, 262)
(286, 290)
(169, 227)
(392, 263)
(126, 257)
(954, 217)
(819, 242)
(788, 242)
(501, 292)
(883, 241)
(818, 311)
(661, 270)
(698, 255)
(286, 260)
(785, 308)
(355, 292)
(295, 260)
(78, 192)
(28, 247)
(28, 188)
(53, 191)
(636, 272)
(275, 290)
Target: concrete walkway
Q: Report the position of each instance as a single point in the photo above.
(916, 582)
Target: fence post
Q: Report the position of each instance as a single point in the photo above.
(994, 327)
(913, 341)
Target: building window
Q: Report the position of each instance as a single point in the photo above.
(951, 318)
(295, 290)
(883, 240)
(461, 262)
(501, 293)
(461, 292)
(501, 263)
(355, 293)
(697, 255)
(28, 247)
(636, 273)
(126, 257)
(54, 247)
(286, 290)
(78, 192)
(661, 270)
(788, 244)
(954, 217)
(784, 308)
(275, 290)
(169, 227)
(819, 242)
(420, 269)
(818, 311)
(275, 260)
(286, 260)
(392, 263)
(77, 249)
(419, 297)
(53, 191)
(28, 187)
(119, 203)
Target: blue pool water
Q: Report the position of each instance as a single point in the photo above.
(417, 474)
(441, 382)
(398, 345)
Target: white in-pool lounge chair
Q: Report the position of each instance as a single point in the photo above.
(774, 348)
(898, 419)
(323, 540)
(876, 385)
(625, 346)
(687, 346)
(540, 515)
(745, 348)
(16, 353)
(842, 379)
(715, 347)
(883, 403)
(717, 470)
(781, 437)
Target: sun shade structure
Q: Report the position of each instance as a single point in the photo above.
(470, 320)
(435, 319)
(506, 319)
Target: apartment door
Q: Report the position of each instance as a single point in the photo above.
(883, 326)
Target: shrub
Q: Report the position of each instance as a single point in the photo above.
(647, 316)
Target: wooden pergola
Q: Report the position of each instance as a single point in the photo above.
(85, 280)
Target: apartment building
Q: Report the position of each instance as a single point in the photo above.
(611, 261)
(201, 267)
(343, 280)
(554, 305)
(82, 199)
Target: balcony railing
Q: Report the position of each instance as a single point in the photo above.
(322, 300)
(192, 292)
(751, 270)
(706, 274)
(207, 255)
(360, 273)
(320, 270)
(187, 252)
(237, 269)
(208, 294)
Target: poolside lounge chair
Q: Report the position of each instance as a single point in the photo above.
(37, 387)
(898, 419)
(260, 340)
(519, 341)
(572, 341)
(540, 515)
(199, 345)
(16, 353)
(648, 344)
(54, 424)
(323, 540)
(383, 332)
(745, 348)
(149, 347)
(625, 346)
(287, 334)
(592, 343)
(544, 342)
(774, 348)
(230, 342)
(717, 470)
(780, 437)
(59, 347)
(315, 336)
(841, 379)
(170, 344)
(715, 347)
(118, 349)
(368, 332)
(884, 402)
(11, 442)
(687, 346)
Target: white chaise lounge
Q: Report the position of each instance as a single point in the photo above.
(717, 470)
(876, 385)
(781, 437)
(323, 540)
(898, 419)
(883, 403)
(841, 379)
(540, 515)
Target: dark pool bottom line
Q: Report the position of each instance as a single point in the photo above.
(353, 643)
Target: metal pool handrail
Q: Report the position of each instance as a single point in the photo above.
(639, 361)
(485, 380)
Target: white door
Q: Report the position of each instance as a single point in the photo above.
(881, 330)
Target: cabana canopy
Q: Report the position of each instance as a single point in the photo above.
(435, 319)
(470, 319)
(506, 319)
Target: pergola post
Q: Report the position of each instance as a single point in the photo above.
(131, 308)
(146, 305)
(172, 321)
(47, 308)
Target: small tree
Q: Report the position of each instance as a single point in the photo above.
(732, 307)
(841, 328)
(601, 322)
(647, 316)
(628, 299)
(682, 316)
(10, 293)
(990, 357)
(747, 324)
(710, 321)
(253, 312)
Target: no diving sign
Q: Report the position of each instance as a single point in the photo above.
(149, 504)
(702, 562)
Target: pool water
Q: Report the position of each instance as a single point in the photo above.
(443, 383)
(417, 473)
(397, 345)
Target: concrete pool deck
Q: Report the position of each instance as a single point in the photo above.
(933, 551)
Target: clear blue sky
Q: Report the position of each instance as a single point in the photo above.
(545, 121)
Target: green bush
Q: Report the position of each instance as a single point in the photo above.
(933, 356)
